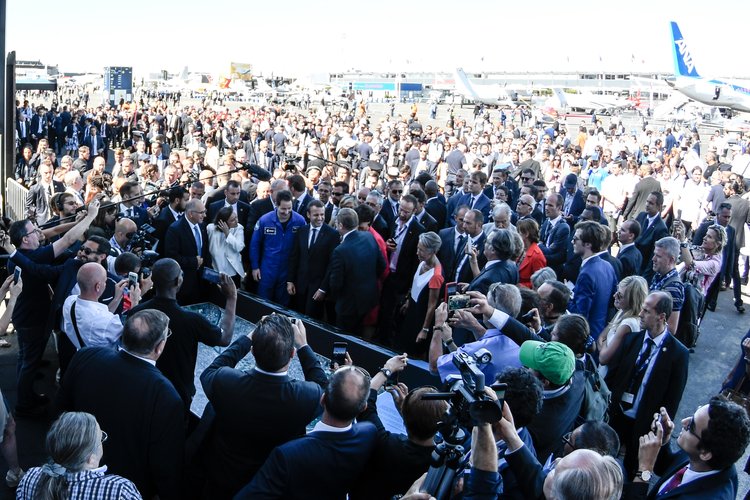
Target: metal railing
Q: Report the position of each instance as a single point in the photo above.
(15, 200)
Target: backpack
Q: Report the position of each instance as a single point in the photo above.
(596, 394)
(688, 327)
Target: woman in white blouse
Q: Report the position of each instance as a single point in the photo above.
(226, 238)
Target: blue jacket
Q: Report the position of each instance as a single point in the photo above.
(272, 244)
(595, 285)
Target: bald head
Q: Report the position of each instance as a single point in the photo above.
(91, 279)
(166, 276)
(125, 226)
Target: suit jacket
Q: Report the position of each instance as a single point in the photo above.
(637, 203)
(161, 223)
(352, 279)
(438, 210)
(464, 268)
(451, 206)
(578, 204)
(319, 465)
(431, 167)
(387, 213)
(180, 245)
(719, 486)
(258, 208)
(407, 257)
(616, 264)
(308, 266)
(554, 244)
(255, 413)
(140, 216)
(503, 271)
(429, 222)
(631, 260)
(482, 204)
(595, 286)
(219, 195)
(101, 145)
(664, 386)
(447, 253)
(302, 208)
(648, 238)
(37, 198)
(33, 126)
(380, 225)
(243, 211)
(538, 214)
(141, 411)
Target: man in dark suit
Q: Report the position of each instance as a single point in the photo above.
(453, 240)
(96, 143)
(422, 164)
(39, 196)
(629, 255)
(38, 126)
(472, 226)
(131, 194)
(652, 230)
(232, 192)
(299, 192)
(313, 246)
(304, 468)
(424, 218)
(402, 255)
(498, 249)
(138, 406)
(596, 283)
(389, 211)
(649, 371)
(643, 189)
(474, 198)
(352, 277)
(177, 198)
(375, 200)
(434, 205)
(555, 234)
(259, 409)
(187, 242)
(711, 441)
(572, 200)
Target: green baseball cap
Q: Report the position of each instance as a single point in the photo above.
(555, 361)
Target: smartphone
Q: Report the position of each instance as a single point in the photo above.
(450, 289)
(527, 317)
(392, 380)
(16, 275)
(211, 275)
(339, 353)
(500, 392)
(132, 280)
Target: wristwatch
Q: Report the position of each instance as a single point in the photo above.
(385, 371)
(644, 475)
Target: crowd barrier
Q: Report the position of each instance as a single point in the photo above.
(15, 200)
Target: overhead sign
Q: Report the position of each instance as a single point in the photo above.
(118, 83)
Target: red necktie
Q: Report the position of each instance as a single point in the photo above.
(674, 482)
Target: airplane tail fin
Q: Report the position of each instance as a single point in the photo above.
(684, 65)
(560, 97)
(184, 74)
(463, 86)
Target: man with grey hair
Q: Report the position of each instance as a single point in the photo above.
(353, 272)
(503, 297)
(138, 405)
(186, 242)
(666, 277)
(74, 185)
(501, 219)
(374, 200)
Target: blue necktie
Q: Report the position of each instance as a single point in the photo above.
(197, 235)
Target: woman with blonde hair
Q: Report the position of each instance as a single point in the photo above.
(629, 298)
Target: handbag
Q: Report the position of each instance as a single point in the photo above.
(736, 396)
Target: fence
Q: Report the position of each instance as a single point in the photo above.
(15, 200)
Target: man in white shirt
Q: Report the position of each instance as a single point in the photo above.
(86, 321)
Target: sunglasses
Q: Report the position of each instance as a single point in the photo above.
(88, 251)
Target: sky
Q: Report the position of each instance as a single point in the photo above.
(302, 38)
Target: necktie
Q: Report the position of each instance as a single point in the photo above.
(395, 209)
(49, 191)
(197, 235)
(296, 206)
(641, 366)
(130, 213)
(674, 482)
(312, 237)
(460, 244)
(471, 205)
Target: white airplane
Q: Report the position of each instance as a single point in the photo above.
(494, 95)
(732, 95)
(586, 102)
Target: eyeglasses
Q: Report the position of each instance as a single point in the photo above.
(521, 202)
(104, 436)
(691, 428)
(35, 230)
(88, 251)
(168, 334)
(566, 439)
(397, 191)
(527, 178)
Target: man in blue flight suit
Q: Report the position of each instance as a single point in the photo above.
(273, 238)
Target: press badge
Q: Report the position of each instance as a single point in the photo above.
(270, 230)
(627, 398)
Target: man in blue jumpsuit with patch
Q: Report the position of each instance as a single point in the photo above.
(273, 237)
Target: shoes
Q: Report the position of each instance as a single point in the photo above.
(711, 307)
(740, 308)
(12, 478)
(724, 286)
(37, 411)
(744, 280)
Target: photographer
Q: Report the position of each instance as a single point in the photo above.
(398, 460)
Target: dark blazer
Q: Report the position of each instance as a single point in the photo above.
(161, 223)
(380, 225)
(141, 216)
(386, 212)
(407, 262)
(180, 245)
(33, 126)
(319, 465)
(447, 253)
(438, 210)
(637, 203)
(243, 211)
(593, 291)
(464, 272)
(429, 222)
(329, 212)
(554, 244)
(308, 267)
(578, 203)
(431, 167)
(616, 264)
(631, 260)
(352, 279)
(219, 195)
(648, 238)
(450, 209)
(37, 198)
(141, 411)
(255, 413)
(258, 208)
(719, 486)
(482, 204)
(101, 145)
(503, 271)
(538, 213)
(302, 208)
(528, 472)
(664, 386)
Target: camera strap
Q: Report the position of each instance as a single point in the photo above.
(75, 324)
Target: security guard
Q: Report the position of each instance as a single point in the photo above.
(273, 237)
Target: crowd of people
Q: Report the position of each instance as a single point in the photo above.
(581, 260)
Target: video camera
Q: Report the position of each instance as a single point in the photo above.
(148, 258)
(144, 239)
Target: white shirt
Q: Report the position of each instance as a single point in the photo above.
(347, 234)
(399, 239)
(98, 326)
(321, 427)
(147, 360)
